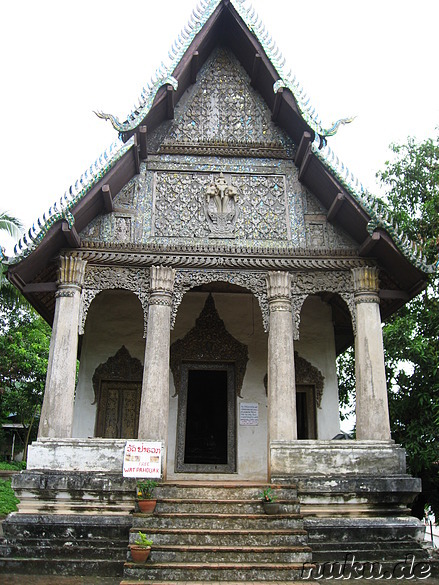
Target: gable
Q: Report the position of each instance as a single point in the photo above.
(222, 108)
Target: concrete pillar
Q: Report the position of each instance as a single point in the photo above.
(154, 405)
(57, 411)
(282, 423)
(372, 405)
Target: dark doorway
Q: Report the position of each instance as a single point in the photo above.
(206, 417)
(305, 410)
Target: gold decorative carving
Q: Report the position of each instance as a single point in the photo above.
(71, 271)
(209, 341)
(366, 284)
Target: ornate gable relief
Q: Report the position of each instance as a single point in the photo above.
(132, 210)
(209, 341)
(223, 108)
(100, 278)
(180, 206)
(255, 282)
(304, 284)
(319, 233)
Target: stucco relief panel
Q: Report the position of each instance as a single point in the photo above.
(254, 281)
(100, 278)
(308, 283)
(179, 205)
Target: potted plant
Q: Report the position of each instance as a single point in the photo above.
(141, 548)
(145, 491)
(269, 498)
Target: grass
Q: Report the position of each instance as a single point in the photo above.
(14, 466)
(8, 501)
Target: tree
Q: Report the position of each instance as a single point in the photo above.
(411, 335)
(10, 226)
(24, 350)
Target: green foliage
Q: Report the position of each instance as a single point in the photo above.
(142, 540)
(8, 501)
(24, 349)
(268, 495)
(12, 466)
(145, 489)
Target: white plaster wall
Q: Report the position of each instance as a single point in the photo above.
(115, 318)
(242, 317)
(317, 345)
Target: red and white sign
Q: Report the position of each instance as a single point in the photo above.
(142, 459)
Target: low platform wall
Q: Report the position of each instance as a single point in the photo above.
(343, 458)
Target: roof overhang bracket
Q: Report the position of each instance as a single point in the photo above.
(195, 63)
(337, 204)
(303, 147)
(136, 154)
(369, 243)
(143, 132)
(71, 235)
(107, 198)
(40, 287)
(394, 294)
(277, 104)
(257, 60)
(169, 102)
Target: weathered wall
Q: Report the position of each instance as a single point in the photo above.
(115, 318)
(317, 345)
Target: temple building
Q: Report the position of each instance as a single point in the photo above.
(206, 271)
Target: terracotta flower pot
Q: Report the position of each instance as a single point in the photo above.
(272, 508)
(147, 506)
(139, 554)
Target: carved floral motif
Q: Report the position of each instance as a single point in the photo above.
(253, 281)
(311, 283)
(99, 278)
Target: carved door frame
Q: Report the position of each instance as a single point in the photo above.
(230, 466)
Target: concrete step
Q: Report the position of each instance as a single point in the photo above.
(206, 572)
(218, 506)
(86, 550)
(61, 566)
(66, 527)
(225, 491)
(229, 554)
(236, 537)
(217, 521)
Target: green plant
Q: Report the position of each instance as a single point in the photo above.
(8, 501)
(12, 466)
(142, 541)
(268, 495)
(145, 489)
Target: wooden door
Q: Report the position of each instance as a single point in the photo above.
(118, 410)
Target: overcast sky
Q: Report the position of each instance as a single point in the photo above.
(60, 61)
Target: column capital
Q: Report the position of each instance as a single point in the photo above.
(71, 272)
(279, 291)
(366, 284)
(162, 285)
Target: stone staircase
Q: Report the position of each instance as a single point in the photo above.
(219, 532)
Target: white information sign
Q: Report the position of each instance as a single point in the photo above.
(249, 414)
(142, 459)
